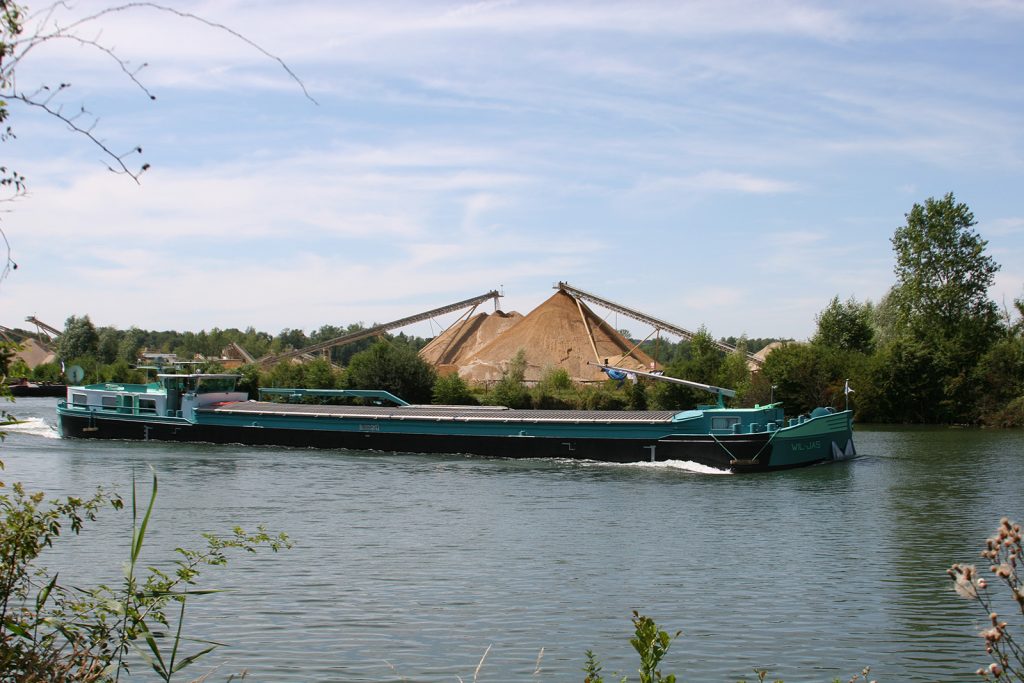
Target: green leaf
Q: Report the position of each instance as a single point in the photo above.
(140, 533)
(45, 593)
(191, 658)
(157, 661)
(17, 629)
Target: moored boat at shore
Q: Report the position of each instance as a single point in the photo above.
(22, 388)
(205, 407)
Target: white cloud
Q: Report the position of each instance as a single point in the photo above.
(1003, 227)
(460, 146)
(719, 181)
(711, 297)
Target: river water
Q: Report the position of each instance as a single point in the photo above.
(413, 568)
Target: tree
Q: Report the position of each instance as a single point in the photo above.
(287, 374)
(734, 373)
(806, 376)
(249, 379)
(108, 342)
(394, 367)
(289, 339)
(846, 326)
(10, 29)
(705, 358)
(1000, 374)
(697, 360)
(903, 380)
(7, 351)
(941, 299)
(79, 339)
(943, 274)
(131, 342)
(887, 320)
(319, 374)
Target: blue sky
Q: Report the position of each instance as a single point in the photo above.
(729, 164)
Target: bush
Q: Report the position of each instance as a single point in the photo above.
(49, 632)
(650, 642)
(602, 397)
(249, 379)
(511, 391)
(1012, 415)
(666, 396)
(555, 391)
(546, 400)
(636, 396)
(555, 380)
(120, 371)
(285, 374)
(452, 390)
(395, 367)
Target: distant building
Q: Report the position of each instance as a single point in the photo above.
(159, 359)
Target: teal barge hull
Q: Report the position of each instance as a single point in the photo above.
(739, 439)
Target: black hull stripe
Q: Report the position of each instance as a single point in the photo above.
(701, 449)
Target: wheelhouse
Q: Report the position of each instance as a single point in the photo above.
(172, 395)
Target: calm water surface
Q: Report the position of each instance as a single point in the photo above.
(408, 567)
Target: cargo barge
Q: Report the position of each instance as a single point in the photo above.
(205, 407)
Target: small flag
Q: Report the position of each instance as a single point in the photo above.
(847, 389)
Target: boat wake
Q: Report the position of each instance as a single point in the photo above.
(682, 465)
(34, 426)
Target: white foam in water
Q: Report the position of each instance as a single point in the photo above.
(35, 426)
(685, 465)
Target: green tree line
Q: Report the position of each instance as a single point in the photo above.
(936, 349)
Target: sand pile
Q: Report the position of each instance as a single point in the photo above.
(34, 354)
(762, 355)
(456, 345)
(558, 333)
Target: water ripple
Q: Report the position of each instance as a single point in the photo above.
(409, 567)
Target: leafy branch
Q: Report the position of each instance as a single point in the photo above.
(16, 45)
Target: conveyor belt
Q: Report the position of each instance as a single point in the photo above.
(447, 414)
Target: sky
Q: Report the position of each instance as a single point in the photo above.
(729, 164)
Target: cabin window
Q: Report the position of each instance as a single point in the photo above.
(108, 402)
(147, 405)
(79, 399)
(725, 423)
(210, 385)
